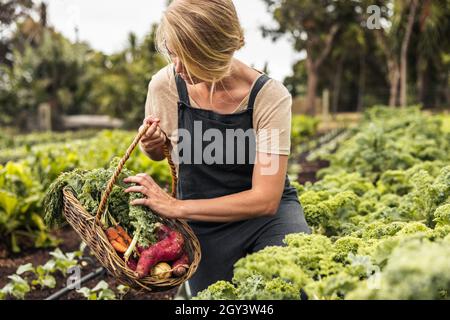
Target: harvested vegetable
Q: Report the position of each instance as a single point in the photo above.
(180, 266)
(162, 271)
(122, 233)
(163, 231)
(120, 219)
(119, 243)
(132, 264)
(88, 187)
(168, 249)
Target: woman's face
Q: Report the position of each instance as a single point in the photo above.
(179, 67)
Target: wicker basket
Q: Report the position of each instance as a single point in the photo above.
(91, 231)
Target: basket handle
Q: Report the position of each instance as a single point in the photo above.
(121, 164)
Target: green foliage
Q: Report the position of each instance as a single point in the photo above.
(28, 277)
(442, 215)
(50, 71)
(101, 291)
(88, 187)
(369, 225)
(17, 288)
(20, 207)
(73, 78)
(391, 139)
(221, 290)
(407, 277)
(22, 183)
(302, 128)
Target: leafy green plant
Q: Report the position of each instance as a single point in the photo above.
(22, 183)
(17, 287)
(20, 207)
(383, 202)
(100, 292)
(28, 277)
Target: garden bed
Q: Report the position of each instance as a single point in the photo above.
(69, 242)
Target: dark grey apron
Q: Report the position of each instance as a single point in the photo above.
(223, 244)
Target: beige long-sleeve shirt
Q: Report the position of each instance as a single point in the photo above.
(271, 113)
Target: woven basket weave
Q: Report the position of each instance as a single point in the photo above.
(91, 231)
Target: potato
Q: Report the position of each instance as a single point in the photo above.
(162, 271)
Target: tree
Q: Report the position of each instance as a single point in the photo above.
(11, 12)
(122, 79)
(313, 26)
(432, 43)
(394, 39)
(51, 72)
(404, 52)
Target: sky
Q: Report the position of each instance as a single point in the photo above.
(105, 24)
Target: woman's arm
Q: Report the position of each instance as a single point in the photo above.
(262, 199)
(155, 155)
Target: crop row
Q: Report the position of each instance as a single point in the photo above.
(383, 203)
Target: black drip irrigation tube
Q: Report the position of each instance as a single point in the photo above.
(94, 274)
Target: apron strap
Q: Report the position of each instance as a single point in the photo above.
(183, 95)
(260, 82)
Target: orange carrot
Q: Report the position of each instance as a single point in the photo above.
(121, 231)
(119, 247)
(116, 240)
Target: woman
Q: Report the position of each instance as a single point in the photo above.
(234, 207)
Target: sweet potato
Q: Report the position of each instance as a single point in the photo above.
(163, 232)
(168, 249)
(132, 264)
(140, 249)
(180, 266)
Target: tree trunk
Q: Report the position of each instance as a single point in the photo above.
(404, 54)
(394, 77)
(361, 81)
(420, 84)
(337, 86)
(311, 87)
(313, 65)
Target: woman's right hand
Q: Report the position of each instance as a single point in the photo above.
(154, 138)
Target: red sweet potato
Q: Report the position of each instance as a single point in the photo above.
(180, 266)
(163, 232)
(168, 249)
(141, 249)
(132, 264)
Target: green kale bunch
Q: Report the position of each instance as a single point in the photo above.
(88, 187)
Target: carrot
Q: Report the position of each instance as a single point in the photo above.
(168, 249)
(122, 233)
(180, 266)
(119, 247)
(116, 240)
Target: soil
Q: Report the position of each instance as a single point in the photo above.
(70, 242)
(308, 172)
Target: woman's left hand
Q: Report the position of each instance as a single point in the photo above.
(155, 197)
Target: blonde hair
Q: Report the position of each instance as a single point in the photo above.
(203, 34)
